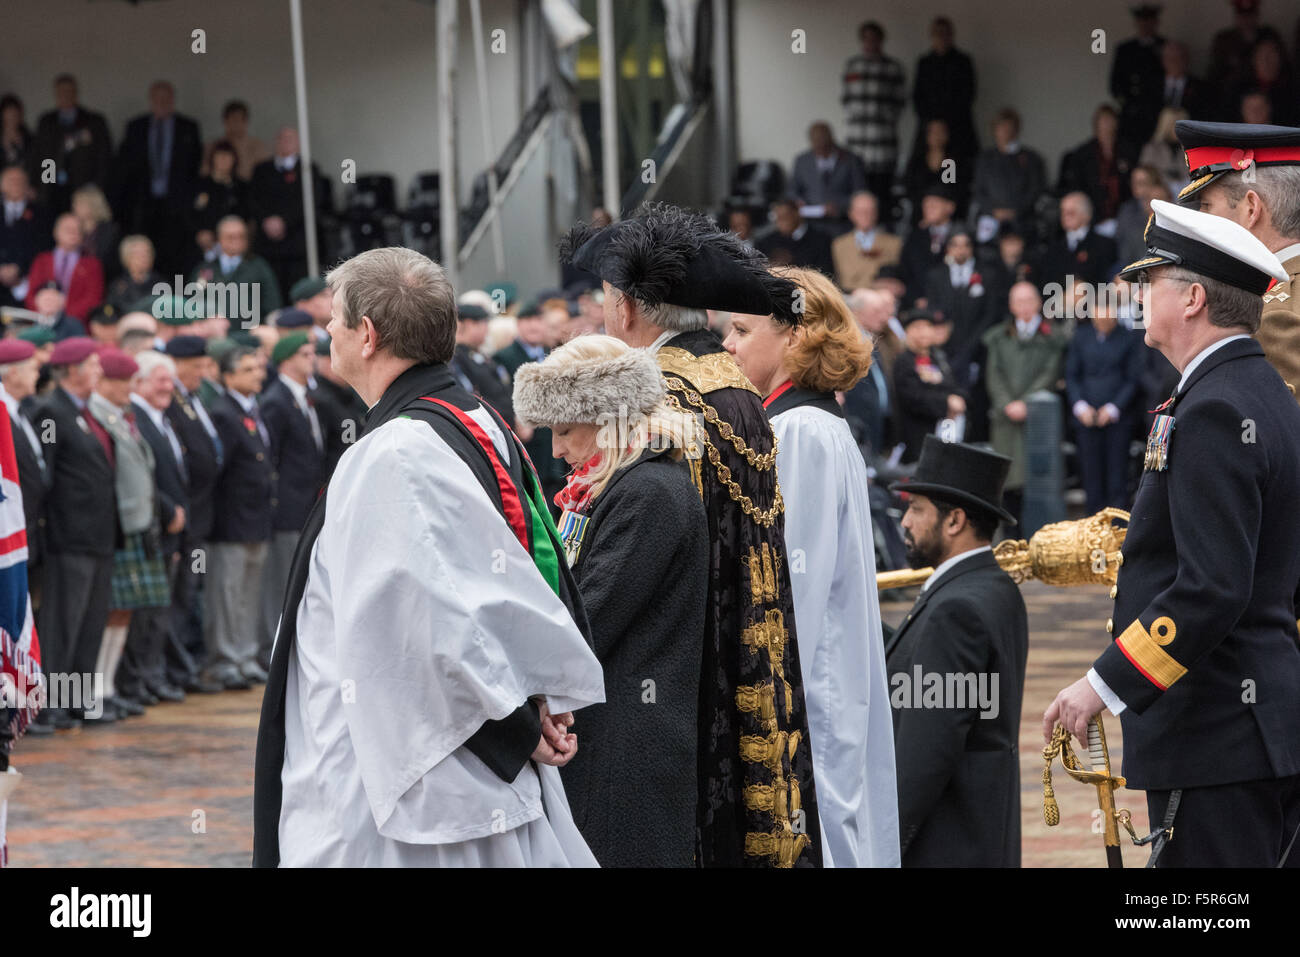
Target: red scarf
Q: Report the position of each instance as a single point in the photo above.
(576, 494)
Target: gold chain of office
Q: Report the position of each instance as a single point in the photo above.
(765, 517)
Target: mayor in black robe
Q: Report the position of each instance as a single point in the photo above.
(757, 806)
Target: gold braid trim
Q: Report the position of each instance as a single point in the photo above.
(717, 370)
(761, 462)
(765, 517)
(783, 848)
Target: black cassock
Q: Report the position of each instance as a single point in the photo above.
(756, 806)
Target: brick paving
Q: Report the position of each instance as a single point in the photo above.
(175, 787)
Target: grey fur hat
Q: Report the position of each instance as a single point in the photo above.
(584, 390)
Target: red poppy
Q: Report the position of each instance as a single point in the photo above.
(250, 425)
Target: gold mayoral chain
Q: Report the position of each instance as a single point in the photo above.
(760, 462)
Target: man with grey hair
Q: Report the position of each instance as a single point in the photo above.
(432, 646)
(1081, 253)
(662, 269)
(1250, 174)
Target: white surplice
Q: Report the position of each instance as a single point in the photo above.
(830, 552)
(422, 618)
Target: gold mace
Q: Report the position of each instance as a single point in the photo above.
(1083, 551)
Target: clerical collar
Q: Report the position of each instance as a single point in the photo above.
(789, 396)
(1205, 354)
(943, 567)
(418, 380)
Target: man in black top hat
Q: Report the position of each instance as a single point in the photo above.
(957, 668)
(1251, 175)
(662, 269)
(1204, 670)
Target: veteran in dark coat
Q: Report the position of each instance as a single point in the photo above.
(1204, 669)
(632, 786)
(956, 669)
(663, 268)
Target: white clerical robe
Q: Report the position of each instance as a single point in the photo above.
(829, 547)
(422, 618)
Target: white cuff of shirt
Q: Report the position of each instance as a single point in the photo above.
(1111, 700)
(1112, 410)
(19, 292)
(1079, 407)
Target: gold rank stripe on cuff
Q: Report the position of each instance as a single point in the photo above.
(1146, 655)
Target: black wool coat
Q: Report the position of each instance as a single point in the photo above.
(642, 573)
(959, 771)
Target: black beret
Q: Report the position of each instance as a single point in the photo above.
(186, 347)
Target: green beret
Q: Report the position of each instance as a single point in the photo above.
(38, 335)
(243, 338)
(143, 304)
(288, 346)
(503, 294)
(306, 288)
(217, 348)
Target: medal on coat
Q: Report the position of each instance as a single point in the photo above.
(1157, 457)
(572, 527)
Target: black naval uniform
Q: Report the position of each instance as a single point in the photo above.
(1205, 657)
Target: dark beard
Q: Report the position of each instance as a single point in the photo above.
(920, 554)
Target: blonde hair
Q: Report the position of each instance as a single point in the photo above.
(621, 441)
(830, 353)
(98, 202)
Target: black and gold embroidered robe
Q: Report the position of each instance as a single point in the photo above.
(757, 806)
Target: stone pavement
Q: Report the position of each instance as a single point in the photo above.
(175, 787)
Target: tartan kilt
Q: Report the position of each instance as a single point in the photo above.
(138, 580)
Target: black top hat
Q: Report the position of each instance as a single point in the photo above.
(961, 474)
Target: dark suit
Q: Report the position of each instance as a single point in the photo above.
(21, 240)
(82, 533)
(922, 251)
(342, 416)
(945, 90)
(241, 532)
(969, 308)
(921, 385)
(82, 153)
(1137, 80)
(959, 766)
(1091, 261)
(811, 187)
(1106, 184)
(1100, 371)
(1205, 657)
(812, 249)
(202, 467)
(162, 217)
(274, 192)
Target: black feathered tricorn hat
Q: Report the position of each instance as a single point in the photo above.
(666, 254)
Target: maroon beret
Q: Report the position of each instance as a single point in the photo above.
(15, 350)
(69, 352)
(117, 364)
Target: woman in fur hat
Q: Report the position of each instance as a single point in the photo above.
(636, 536)
(798, 367)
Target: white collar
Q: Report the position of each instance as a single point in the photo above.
(286, 162)
(1028, 327)
(799, 233)
(662, 340)
(1204, 354)
(953, 561)
(155, 415)
(866, 240)
(1288, 252)
(247, 404)
(1077, 235)
(299, 391)
(1012, 148)
(896, 327)
(10, 402)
